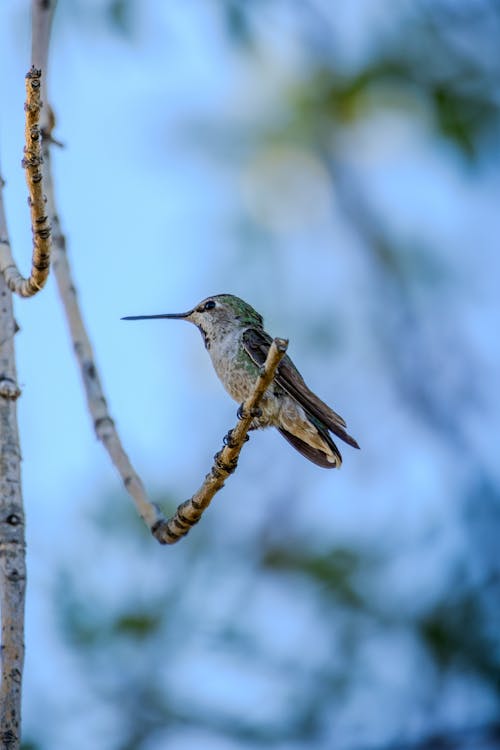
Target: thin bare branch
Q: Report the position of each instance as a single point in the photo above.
(32, 162)
(12, 526)
(103, 423)
(39, 119)
(42, 12)
(12, 541)
(165, 531)
(190, 512)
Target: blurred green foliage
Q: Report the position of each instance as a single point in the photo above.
(332, 572)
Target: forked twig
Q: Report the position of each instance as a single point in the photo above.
(32, 162)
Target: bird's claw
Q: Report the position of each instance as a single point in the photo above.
(228, 439)
(256, 412)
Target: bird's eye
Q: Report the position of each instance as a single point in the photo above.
(209, 305)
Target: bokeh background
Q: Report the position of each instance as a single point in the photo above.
(337, 165)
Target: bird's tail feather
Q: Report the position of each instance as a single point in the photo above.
(342, 434)
(317, 456)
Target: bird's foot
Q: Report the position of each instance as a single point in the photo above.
(228, 439)
(255, 413)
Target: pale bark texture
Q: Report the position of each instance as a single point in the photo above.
(12, 541)
(103, 423)
(12, 529)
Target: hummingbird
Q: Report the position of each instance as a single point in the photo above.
(234, 336)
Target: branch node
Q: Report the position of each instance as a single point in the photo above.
(9, 389)
(14, 575)
(13, 519)
(226, 466)
(33, 73)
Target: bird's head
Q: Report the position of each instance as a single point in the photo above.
(214, 316)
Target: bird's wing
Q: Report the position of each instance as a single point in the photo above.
(257, 343)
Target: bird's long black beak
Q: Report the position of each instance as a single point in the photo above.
(172, 316)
